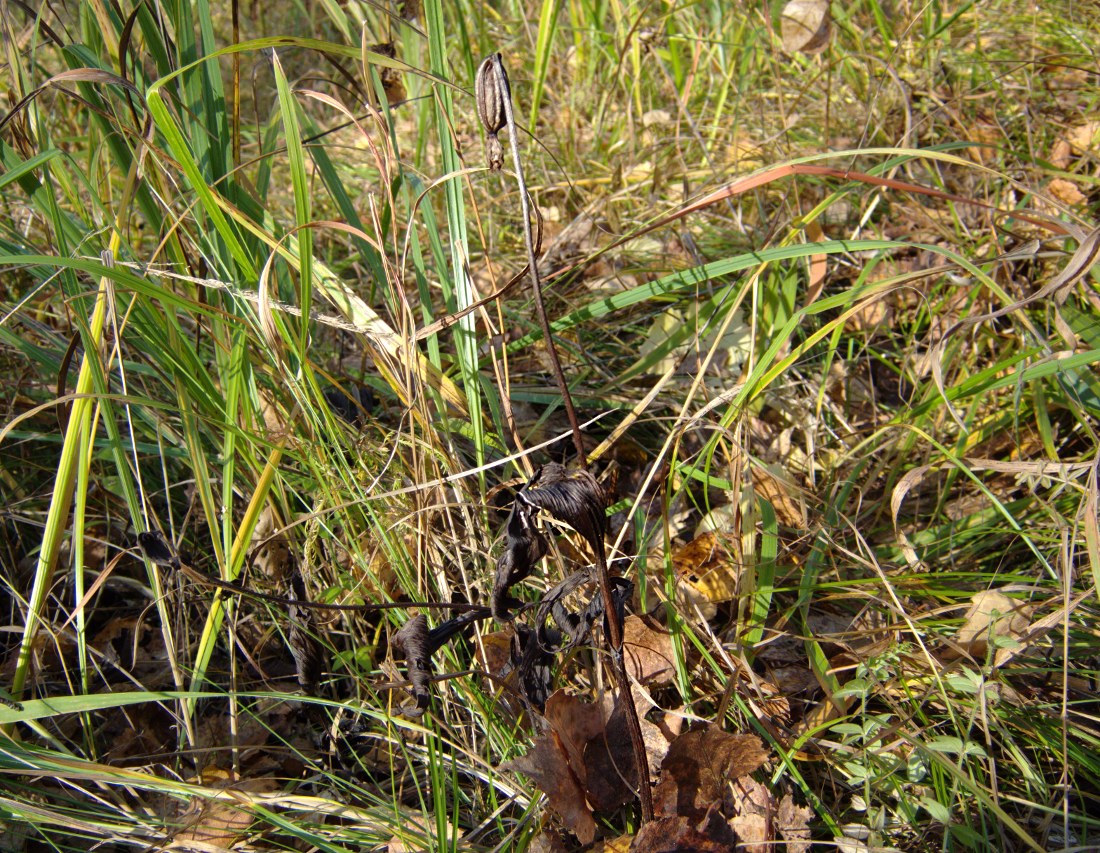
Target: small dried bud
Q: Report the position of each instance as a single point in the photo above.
(491, 90)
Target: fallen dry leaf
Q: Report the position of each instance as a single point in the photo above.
(818, 264)
(804, 26)
(610, 773)
(547, 765)
(778, 488)
(1084, 137)
(987, 135)
(1066, 192)
(647, 648)
(991, 614)
(272, 555)
(793, 823)
(682, 835)
(583, 762)
(707, 572)
(751, 807)
(547, 841)
(214, 823)
(622, 844)
(698, 766)
(1061, 154)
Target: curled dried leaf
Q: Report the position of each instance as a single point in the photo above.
(308, 654)
(411, 642)
(417, 644)
(524, 548)
(532, 662)
(570, 496)
(576, 626)
(304, 647)
(158, 550)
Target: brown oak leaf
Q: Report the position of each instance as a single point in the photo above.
(647, 648)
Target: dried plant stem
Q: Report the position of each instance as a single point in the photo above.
(532, 261)
(494, 102)
(625, 697)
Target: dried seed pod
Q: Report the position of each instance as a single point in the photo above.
(490, 90)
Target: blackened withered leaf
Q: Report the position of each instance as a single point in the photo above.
(158, 550)
(533, 661)
(417, 644)
(524, 547)
(411, 642)
(577, 625)
(516, 659)
(302, 639)
(570, 496)
(697, 767)
(352, 404)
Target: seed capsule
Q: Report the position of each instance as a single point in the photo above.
(491, 89)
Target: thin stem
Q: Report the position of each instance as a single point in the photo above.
(625, 698)
(532, 261)
(236, 589)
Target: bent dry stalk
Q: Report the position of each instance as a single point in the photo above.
(494, 108)
(577, 499)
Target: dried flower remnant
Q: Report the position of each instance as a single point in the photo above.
(490, 90)
(390, 78)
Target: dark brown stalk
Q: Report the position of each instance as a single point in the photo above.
(158, 551)
(503, 91)
(577, 499)
(625, 697)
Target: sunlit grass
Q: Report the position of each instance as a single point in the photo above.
(791, 361)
